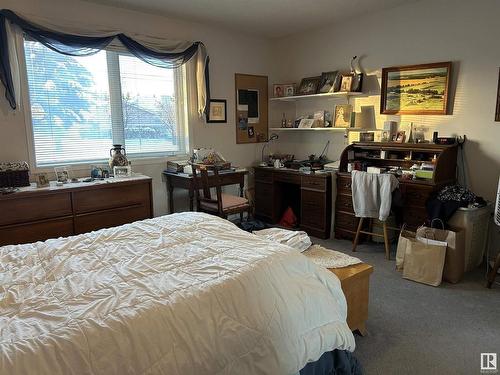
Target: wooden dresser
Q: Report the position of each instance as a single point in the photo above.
(309, 195)
(38, 214)
(415, 193)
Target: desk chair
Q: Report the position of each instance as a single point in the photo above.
(363, 188)
(385, 235)
(224, 204)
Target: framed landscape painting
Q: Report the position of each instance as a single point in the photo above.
(416, 89)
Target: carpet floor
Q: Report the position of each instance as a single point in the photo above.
(419, 329)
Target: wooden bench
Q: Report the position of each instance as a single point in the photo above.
(355, 281)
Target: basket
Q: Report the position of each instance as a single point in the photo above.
(14, 174)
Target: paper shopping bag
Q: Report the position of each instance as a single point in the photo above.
(455, 250)
(404, 238)
(424, 262)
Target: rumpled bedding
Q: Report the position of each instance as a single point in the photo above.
(183, 294)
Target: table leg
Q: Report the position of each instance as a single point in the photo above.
(170, 198)
(191, 199)
(242, 185)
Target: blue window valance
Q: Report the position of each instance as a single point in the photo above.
(166, 56)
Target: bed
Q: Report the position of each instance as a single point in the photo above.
(184, 293)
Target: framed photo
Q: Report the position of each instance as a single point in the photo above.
(42, 180)
(278, 90)
(416, 89)
(346, 83)
(343, 116)
(327, 82)
(120, 172)
(319, 117)
(306, 123)
(62, 174)
(217, 111)
(497, 112)
(289, 89)
(400, 137)
(309, 86)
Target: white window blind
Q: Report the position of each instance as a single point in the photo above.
(81, 106)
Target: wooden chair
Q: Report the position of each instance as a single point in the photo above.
(384, 235)
(224, 204)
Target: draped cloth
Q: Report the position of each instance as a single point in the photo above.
(72, 41)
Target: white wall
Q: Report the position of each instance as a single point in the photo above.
(229, 53)
(465, 32)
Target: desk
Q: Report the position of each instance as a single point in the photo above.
(184, 181)
(309, 195)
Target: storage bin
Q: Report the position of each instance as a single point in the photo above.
(474, 222)
(14, 174)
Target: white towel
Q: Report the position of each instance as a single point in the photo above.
(372, 194)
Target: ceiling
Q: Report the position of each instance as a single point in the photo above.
(267, 18)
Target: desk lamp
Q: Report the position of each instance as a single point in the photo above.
(273, 137)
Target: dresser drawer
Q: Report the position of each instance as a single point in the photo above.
(344, 184)
(110, 218)
(316, 183)
(344, 203)
(264, 175)
(313, 209)
(346, 221)
(416, 195)
(37, 231)
(27, 209)
(107, 197)
(287, 177)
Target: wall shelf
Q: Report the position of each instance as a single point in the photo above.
(322, 129)
(342, 94)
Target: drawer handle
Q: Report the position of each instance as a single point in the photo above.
(348, 185)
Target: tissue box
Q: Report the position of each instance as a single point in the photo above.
(14, 174)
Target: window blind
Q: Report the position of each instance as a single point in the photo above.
(81, 106)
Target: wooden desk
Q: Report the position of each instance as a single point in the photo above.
(309, 195)
(355, 282)
(184, 181)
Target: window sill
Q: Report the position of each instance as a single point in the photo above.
(136, 161)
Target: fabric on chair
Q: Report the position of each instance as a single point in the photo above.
(372, 194)
(228, 202)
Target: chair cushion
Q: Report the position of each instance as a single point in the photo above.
(228, 202)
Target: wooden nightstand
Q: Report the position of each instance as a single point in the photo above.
(355, 282)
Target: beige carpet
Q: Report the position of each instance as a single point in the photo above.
(419, 329)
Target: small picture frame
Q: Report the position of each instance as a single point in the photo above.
(306, 123)
(319, 117)
(400, 137)
(289, 89)
(279, 90)
(217, 111)
(122, 171)
(346, 83)
(343, 116)
(62, 175)
(42, 180)
(309, 86)
(327, 83)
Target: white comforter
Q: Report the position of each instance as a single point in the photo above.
(180, 294)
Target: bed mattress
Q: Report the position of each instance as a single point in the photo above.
(185, 293)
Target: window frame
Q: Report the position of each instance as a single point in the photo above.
(184, 133)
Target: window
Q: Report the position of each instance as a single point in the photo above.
(81, 106)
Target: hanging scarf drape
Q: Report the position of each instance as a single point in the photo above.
(163, 56)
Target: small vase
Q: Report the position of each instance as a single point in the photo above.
(117, 158)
